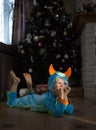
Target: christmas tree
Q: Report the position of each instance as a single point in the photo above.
(49, 39)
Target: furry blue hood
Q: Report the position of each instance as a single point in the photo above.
(52, 78)
(56, 74)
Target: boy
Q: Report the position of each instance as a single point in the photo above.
(55, 100)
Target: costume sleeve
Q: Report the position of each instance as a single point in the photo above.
(69, 109)
(58, 108)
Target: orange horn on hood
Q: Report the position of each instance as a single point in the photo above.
(51, 70)
(68, 72)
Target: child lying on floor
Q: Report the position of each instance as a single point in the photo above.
(55, 101)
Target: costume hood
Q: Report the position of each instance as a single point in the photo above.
(56, 74)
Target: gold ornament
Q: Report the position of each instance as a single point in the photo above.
(65, 33)
(22, 51)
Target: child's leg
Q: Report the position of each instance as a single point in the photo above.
(15, 82)
(28, 80)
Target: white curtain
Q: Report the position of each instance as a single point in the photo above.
(6, 20)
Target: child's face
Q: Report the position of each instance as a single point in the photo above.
(59, 84)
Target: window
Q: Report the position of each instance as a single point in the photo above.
(6, 20)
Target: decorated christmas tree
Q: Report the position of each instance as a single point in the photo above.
(49, 39)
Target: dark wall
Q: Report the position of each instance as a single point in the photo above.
(5, 67)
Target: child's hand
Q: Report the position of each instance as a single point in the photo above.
(61, 93)
(67, 90)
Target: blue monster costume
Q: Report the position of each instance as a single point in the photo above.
(46, 102)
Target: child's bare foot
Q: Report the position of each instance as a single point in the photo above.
(15, 79)
(28, 80)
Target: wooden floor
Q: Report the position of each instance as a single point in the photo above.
(83, 118)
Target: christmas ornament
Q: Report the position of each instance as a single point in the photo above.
(36, 38)
(22, 51)
(56, 16)
(30, 70)
(65, 33)
(54, 44)
(66, 56)
(63, 60)
(21, 46)
(39, 44)
(58, 56)
(49, 8)
(47, 23)
(61, 68)
(28, 38)
(67, 39)
(42, 51)
(40, 37)
(52, 33)
(63, 18)
(69, 25)
(32, 59)
(38, 14)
